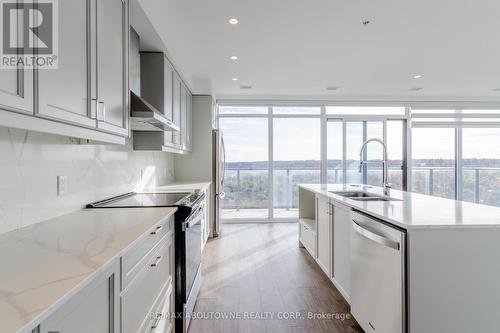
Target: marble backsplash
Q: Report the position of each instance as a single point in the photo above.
(30, 163)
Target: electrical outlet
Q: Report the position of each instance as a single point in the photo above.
(62, 185)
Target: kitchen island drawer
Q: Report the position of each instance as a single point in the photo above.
(307, 237)
(138, 298)
(133, 260)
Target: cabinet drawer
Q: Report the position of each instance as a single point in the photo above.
(308, 239)
(159, 320)
(135, 258)
(139, 297)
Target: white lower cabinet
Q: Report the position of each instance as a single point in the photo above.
(93, 309)
(341, 218)
(134, 294)
(141, 299)
(324, 234)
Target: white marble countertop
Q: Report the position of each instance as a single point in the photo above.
(44, 264)
(414, 210)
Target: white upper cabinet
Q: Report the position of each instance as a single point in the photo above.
(64, 93)
(112, 66)
(16, 85)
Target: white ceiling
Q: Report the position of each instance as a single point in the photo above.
(295, 48)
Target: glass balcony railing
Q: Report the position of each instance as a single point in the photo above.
(248, 189)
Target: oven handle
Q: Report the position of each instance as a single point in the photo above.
(195, 218)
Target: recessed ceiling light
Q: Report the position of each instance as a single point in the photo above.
(416, 89)
(332, 88)
(233, 57)
(245, 87)
(234, 79)
(417, 76)
(233, 21)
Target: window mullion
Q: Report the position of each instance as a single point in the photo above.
(270, 166)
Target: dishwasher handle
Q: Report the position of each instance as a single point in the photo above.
(375, 237)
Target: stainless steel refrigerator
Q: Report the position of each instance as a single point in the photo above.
(218, 170)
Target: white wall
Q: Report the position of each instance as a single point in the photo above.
(30, 163)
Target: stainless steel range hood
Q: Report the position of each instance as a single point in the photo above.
(145, 117)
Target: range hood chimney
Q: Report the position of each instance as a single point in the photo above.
(143, 115)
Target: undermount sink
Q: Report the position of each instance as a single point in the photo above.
(363, 196)
(352, 194)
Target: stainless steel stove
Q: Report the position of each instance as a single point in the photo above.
(187, 233)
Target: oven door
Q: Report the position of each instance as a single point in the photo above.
(193, 247)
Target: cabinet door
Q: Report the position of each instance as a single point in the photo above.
(189, 123)
(169, 95)
(94, 309)
(64, 93)
(184, 93)
(324, 231)
(16, 84)
(112, 66)
(176, 119)
(342, 248)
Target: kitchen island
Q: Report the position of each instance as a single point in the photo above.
(449, 270)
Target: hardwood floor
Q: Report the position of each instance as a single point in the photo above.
(258, 270)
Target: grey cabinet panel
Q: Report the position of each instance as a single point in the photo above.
(112, 67)
(64, 92)
(94, 309)
(16, 90)
(184, 93)
(176, 90)
(16, 84)
(189, 124)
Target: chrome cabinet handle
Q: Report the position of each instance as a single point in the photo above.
(101, 111)
(93, 108)
(158, 228)
(157, 261)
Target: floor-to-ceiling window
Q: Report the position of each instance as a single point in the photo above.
(454, 153)
(481, 165)
(246, 180)
(296, 155)
(348, 127)
(448, 152)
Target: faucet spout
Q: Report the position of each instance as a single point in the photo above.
(385, 182)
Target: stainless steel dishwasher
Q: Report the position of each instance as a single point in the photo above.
(377, 275)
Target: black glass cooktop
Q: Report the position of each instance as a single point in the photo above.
(144, 200)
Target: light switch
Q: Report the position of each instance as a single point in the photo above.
(62, 185)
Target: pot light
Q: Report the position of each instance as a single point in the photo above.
(417, 76)
(233, 57)
(332, 88)
(234, 79)
(233, 21)
(245, 87)
(416, 89)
